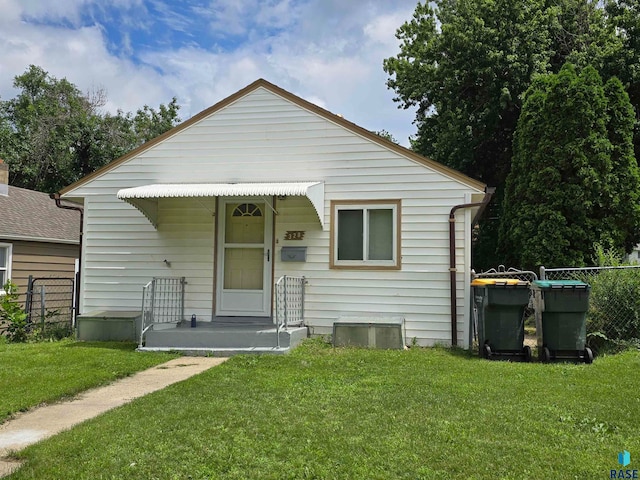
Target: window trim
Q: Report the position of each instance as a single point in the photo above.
(394, 264)
(9, 248)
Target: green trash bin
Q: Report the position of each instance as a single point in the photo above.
(501, 305)
(562, 306)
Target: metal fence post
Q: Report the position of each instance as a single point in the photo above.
(42, 306)
(542, 273)
(75, 308)
(29, 298)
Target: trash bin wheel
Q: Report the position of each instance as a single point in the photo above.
(486, 351)
(588, 355)
(526, 353)
(546, 355)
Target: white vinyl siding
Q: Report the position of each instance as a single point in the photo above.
(264, 138)
(123, 252)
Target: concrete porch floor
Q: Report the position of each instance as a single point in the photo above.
(223, 337)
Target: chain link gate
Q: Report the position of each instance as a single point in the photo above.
(50, 306)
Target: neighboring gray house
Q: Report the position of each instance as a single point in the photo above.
(264, 185)
(36, 237)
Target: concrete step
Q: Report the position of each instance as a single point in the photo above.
(231, 338)
(218, 352)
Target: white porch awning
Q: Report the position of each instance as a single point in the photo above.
(145, 198)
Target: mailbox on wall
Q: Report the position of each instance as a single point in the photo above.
(293, 254)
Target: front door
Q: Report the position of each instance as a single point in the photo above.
(244, 258)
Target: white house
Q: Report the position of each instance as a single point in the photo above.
(263, 185)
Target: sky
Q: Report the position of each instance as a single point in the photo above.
(145, 52)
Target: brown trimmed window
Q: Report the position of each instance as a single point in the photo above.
(5, 264)
(365, 234)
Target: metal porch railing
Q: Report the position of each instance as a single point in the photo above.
(289, 303)
(162, 303)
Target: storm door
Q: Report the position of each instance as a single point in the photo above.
(244, 258)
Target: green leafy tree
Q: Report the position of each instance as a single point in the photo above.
(51, 134)
(386, 135)
(621, 215)
(623, 61)
(465, 65)
(149, 123)
(574, 181)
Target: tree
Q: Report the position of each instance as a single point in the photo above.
(465, 65)
(574, 181)
(386, 135)
(621, 223)
(623, 61)
(36, 125)
(51, 134)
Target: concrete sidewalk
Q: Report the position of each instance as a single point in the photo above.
(43, 422)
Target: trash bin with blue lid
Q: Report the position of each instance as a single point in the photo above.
(501, 304)
(562, 306)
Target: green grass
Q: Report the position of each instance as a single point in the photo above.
(35, 373)
(344, 413)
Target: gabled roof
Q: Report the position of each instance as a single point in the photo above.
(33, 216)
(261, 83)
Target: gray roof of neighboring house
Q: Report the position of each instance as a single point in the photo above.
(29, 215)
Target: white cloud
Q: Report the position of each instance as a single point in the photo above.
(242, 17)
(327, 51)
(276, 14)
(59, 10)
(169, 17)
(381, 30)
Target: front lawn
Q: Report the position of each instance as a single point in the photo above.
(35, 373)
(343, 413)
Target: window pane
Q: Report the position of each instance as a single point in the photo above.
(4, 251)
(350, 235)
(381, 234)
(244, 224)
(243, 268)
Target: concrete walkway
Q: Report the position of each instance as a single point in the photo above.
(43, 422)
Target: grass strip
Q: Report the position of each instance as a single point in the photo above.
(36, 373)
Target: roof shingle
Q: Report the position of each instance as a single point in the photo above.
(33, 215)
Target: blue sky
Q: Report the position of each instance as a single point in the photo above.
(141, 52)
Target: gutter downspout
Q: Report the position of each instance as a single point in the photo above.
(488, 193)
(56, 198)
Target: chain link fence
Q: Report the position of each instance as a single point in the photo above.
(49, 306)
(614, 302)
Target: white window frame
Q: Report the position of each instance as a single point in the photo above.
(7, 269)
(365, 206)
